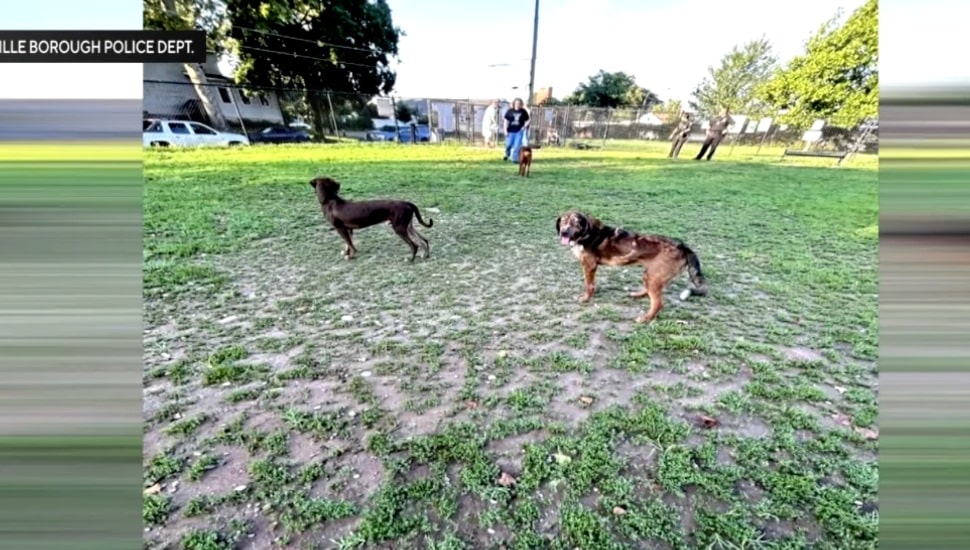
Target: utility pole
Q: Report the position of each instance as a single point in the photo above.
(532, 69)
(535, 43)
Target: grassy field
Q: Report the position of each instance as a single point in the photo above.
(468, 401)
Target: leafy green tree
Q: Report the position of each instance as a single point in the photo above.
(669, 110)
(837, 78)
(734, 83)
(186, 15)
(612, 90)
(338, 45)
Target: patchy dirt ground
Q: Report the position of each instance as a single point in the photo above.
(296, 399)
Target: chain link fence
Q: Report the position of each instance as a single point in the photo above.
(334, 116)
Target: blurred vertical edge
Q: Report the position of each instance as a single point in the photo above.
(70, 324)
(924, 178)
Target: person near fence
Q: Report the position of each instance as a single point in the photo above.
(516, 126)
(715, 133)
(490, 124)
(679, 135)
(413, 124)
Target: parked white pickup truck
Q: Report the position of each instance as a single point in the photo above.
(184, 133)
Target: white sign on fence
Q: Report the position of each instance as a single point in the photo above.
(739, 121)
(812, 136)
(384, 107)
(764, 124)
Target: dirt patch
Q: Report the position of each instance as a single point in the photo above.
(801, 354)
(510, 451)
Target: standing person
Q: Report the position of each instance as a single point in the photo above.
(516, 125)
(490, 123)
(715, 133)
(679, 135)
(414, 129)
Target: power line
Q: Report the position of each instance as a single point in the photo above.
(508, 63)
(256, 88)
(308, 41)
(290, 54)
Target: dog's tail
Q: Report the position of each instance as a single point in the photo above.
(417, 214)
(698, 283)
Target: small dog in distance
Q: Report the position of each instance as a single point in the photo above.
(525, 161)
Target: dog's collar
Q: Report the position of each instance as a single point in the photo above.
(592, 241)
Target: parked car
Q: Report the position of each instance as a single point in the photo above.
(384, 133)
(280, 134)
(185, 133)
(423, 132)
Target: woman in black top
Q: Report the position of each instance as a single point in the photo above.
(516, 125)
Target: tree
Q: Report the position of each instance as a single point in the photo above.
(337, 45)
(735, 82)
(612, 90)
(187, 15)
(669, 110)
(836, 79)
(404, 112)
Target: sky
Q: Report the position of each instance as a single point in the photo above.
(666, 44)
(450, 44)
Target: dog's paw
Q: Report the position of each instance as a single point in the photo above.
(582, 298)
(643, 320)
(684, 295)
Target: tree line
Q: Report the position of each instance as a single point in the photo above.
(345, 46)
(339, 46)
(836, 78)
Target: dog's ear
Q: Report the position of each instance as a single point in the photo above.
(582, 221)
(587, 223)
(313, 183)
(329, 184)
(558, 223)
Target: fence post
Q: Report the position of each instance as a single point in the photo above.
(397, 130)
(431, 129)
(860, 139)
(609, 119)
(235, 103)
(456, 111)
(566, 125)
(471, 122)
(764, 137)
(333, 118)
(636, 125)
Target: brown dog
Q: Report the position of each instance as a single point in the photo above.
(345, 216)
(525, 161)
(663, 258)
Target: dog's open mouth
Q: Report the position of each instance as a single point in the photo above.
(565, 241)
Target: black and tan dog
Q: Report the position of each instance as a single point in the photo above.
(662, 258)
(525, 161)
(345, 216)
